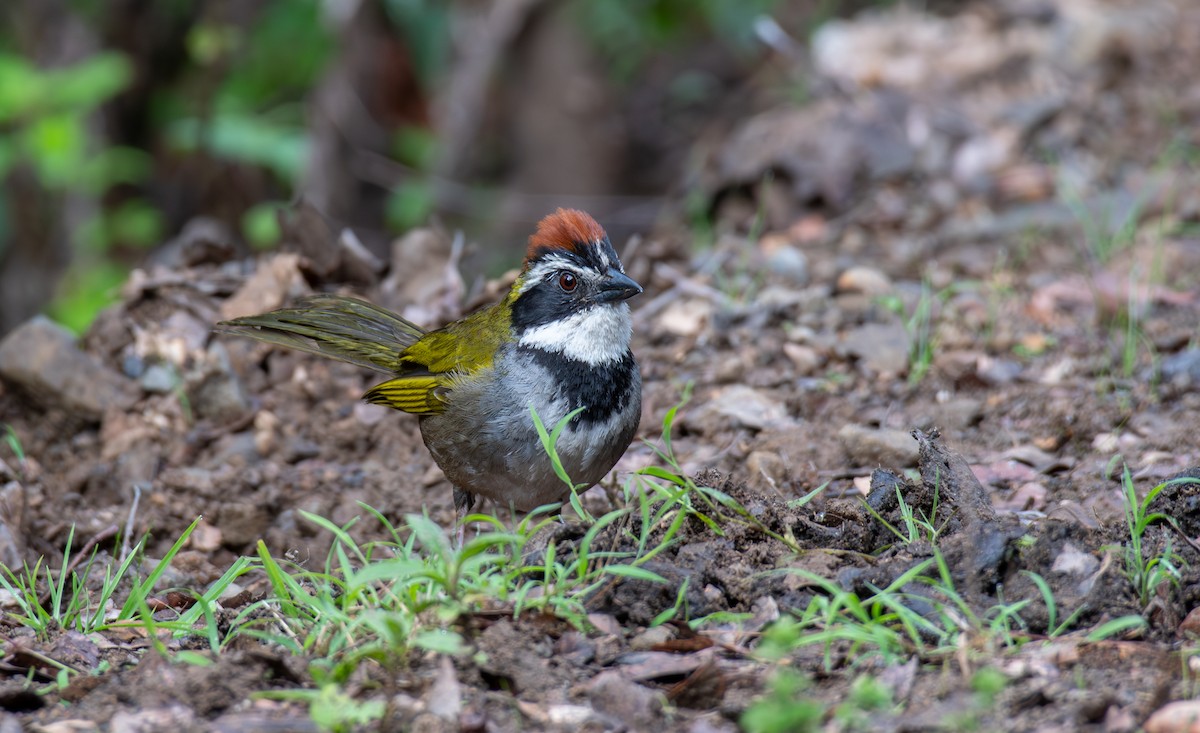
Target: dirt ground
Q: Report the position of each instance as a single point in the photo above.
(985, 280)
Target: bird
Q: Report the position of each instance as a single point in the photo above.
(557, 343)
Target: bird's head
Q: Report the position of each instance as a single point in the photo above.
(570, 297)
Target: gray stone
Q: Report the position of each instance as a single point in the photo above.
(214, 389)
(748, 407)
(957, 413)
(242, 524)
(999, 371)
(1184, 366)
(650, 638)
(159, 379)
(614, 695)
(13, 499)
(1073, 561)
(789, 262)
(865, 280)
(878, 447)
(44, 358)
(765, 469)
(175, 717)
(882, 347)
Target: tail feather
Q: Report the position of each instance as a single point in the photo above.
(336, 326)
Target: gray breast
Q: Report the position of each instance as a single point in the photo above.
(486, 442)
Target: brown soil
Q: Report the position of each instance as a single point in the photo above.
(1052, 366)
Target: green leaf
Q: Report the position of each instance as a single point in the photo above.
(196, 659)
(1117, 626)
(140, 591)
(636, 573)
(56, 147)
(85, 291)
(442, 641)
(384, 570)
(260, 225)
(662, 473)
(244, 138)
(84, 86)
(20, 86)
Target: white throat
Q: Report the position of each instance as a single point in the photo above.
(597, 335)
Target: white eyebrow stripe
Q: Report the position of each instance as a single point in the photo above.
(548, 264)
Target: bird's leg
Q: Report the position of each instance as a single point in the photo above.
(463, 502)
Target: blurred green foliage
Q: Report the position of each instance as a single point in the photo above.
(84, 292)
(255, 116)
(260, 225)
(626, 33)
(237, 99)
(45, 114)
(425, 26)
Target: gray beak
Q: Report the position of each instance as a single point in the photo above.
(617, 286)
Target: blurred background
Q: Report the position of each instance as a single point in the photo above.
(130, 128)
(124, 121)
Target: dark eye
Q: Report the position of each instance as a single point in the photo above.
(567, 282)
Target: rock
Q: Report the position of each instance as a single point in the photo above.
(159, 379)
(1190, 626)
(205, 538)
(266, 432)
(1182, 368)
(359, 264)
(418, 270)
(729, 369)
(822, 150)
(878, 446)
(650, 638)
(613, 694)
(881, 347)
(43, 358)
(1029, 496)
(765, 469)
(1073, 561)
(864, 280)
(175, 717)
(712, 724)
(1106, 443)
(276, 281)
(214, 390)
(1182, 716)
(806, 359)
(445, 694)
(979, 158)
(748, 407)
(305, 233)
(510, 655)
(685, 317)
(995, 372)
(958, 413)
(203, 240)
(242, 524)
(268, 722)
(10, 544)
(784, 259)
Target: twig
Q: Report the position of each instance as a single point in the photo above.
(1183, 536)
(137, 497)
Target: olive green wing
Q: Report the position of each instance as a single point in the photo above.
(429, 368)
(336, 326)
